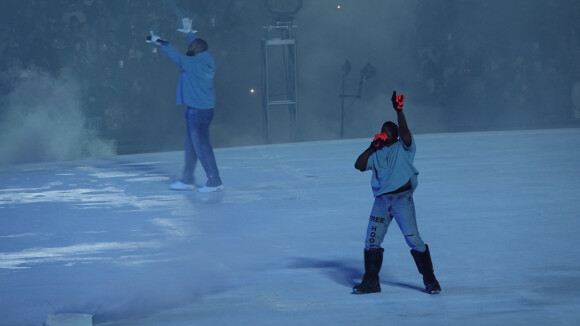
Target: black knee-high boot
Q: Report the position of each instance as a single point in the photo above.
(370, 282)
(425, 267)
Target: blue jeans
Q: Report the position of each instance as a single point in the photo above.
(198, 146)
(400, 207)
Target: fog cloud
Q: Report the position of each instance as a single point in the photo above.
(43, 120)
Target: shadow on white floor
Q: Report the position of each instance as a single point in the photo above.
(282, 245)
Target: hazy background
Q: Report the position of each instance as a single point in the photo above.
(78, 80)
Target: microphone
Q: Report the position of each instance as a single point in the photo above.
(160, 41)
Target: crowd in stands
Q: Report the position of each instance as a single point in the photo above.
(520, 69)
(102, 43)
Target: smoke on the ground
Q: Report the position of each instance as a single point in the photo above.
(43, 120)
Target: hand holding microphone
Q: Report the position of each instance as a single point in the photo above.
(379, 141)
(155, 39)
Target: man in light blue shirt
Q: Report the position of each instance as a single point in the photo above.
(390, 158)
(195, 90)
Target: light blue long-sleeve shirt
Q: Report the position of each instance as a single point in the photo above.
(195, 85)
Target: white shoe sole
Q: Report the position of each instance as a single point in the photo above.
(182, 186)
(211, 189)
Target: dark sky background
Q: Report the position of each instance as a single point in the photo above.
(78, 80)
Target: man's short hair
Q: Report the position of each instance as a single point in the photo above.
(199, 45)
(390, 128)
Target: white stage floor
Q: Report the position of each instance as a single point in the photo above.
(282, 245)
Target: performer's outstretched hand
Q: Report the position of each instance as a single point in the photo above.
(397, 101)
(186, 22)
(153, 38)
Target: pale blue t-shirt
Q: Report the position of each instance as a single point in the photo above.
(392, 167)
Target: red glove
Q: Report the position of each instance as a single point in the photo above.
(379, 141)
(397, 101)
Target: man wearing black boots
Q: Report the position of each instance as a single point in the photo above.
(390, 156)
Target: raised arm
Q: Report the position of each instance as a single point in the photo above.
(166, 48)
(404, 131)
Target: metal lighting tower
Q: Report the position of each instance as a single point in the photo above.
(279, 82)
(366, 73)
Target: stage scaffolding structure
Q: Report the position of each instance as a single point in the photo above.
(279, 75)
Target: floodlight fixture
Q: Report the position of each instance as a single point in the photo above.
(368, 72)
(346, 68)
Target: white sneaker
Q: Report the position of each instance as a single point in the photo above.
(181, 186)
(211, 189)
